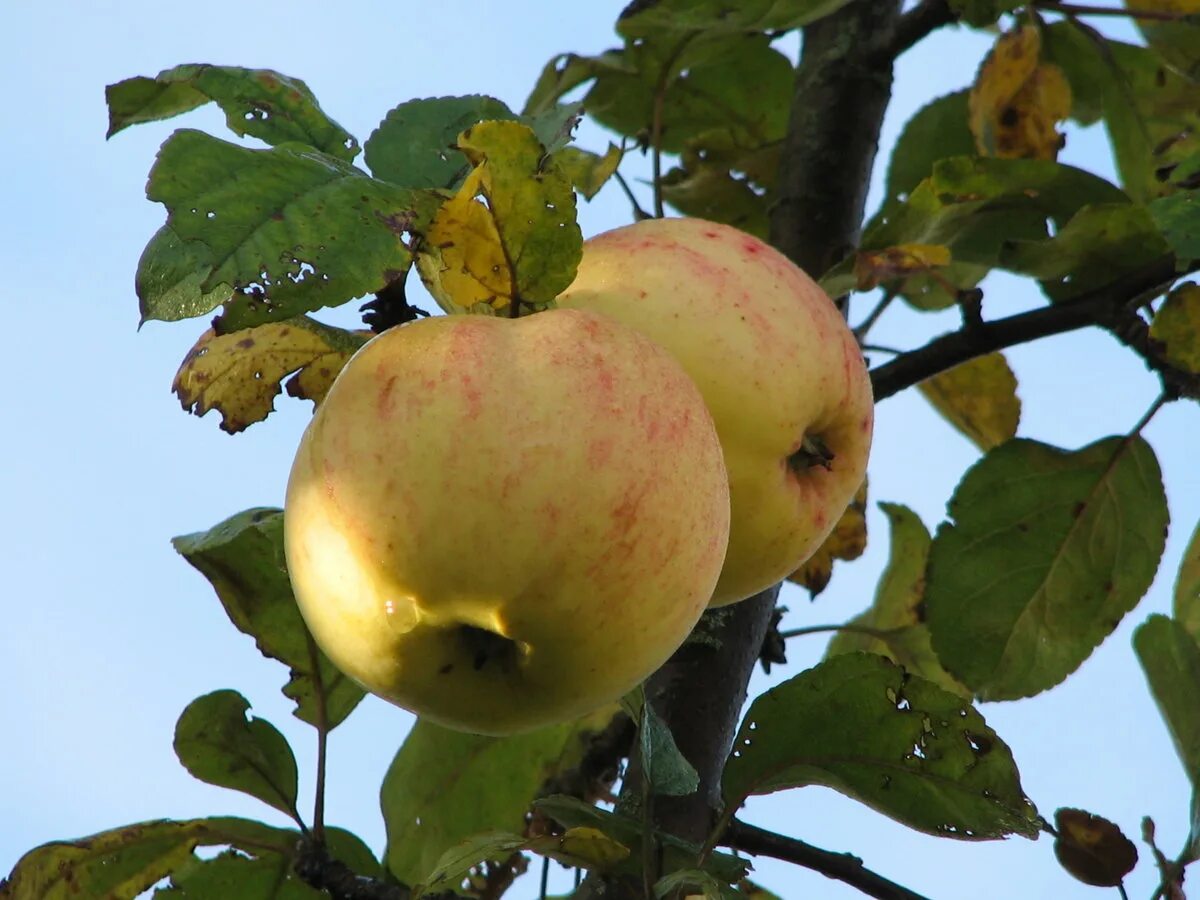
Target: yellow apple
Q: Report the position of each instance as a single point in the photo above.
(780, 370)
(503, 523)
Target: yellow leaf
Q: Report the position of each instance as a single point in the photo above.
(872, 268)
(582, 847)
(979, 398)
(509, 233)
(238, 374)
(1177, 327)
(1017, 101)
(847, 541)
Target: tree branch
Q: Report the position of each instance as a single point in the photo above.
(1110, 306)
(840, 866)
(913, 27)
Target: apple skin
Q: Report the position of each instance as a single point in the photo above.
(775, 361)
(503, 523)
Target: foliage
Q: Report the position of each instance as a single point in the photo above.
(1044, 549)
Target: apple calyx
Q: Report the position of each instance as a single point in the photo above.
(813, 452)
(487, 647)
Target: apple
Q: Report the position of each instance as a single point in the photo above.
(782, 374)
(503, 523)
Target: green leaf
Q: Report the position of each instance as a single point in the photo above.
(981, 13)
(232, 876)
(861, 725)
(648, 18)
(1178, 217)
(170, 276)
(693, 883)
(568, 71)
(1047, 550)
(589, 171)
(1178, 43)
(125, 862)
(414, 144)
(217, 744)
(898, 611)
(1187, 587)
(1098, 245)
(736, 90)
(571, 812)
(713, 192)
(1170, 658)
(936, 131)
(453, 866)
(1176, 326)
(261, 103)
(666, 769)
(555, 125)
(1151, 112)
(445, 786)
(290, 229)
(243, 559)
(975, 206)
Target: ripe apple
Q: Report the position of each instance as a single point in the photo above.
(503, 523)
(780, 370)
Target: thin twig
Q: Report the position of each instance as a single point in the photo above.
(866, 324)
(842, 867)
(639, 214)
(881, 634)
(656, 120)
(1085, 9)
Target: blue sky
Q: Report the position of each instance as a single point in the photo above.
(107, 634)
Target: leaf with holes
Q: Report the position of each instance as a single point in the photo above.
(170, 276)
(290, 229)
(1100, 244)
(859, 724)
(875, 267)
(217, 744)
(846, 542)
(239, 375)
(414, 144)
(509, 234)
(1176, 326)
(261, 103)
(897, 617)
(1186, 608)
(445, 786)
(1170, 657)
(1092, 848)
(648, 18)
(1047, 550)
(243, 559)
(979, 398)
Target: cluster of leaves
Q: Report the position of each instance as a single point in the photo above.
(1044, 550)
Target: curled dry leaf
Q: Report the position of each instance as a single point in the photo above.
(1092, 848)
(1017, 100)
(847, 541)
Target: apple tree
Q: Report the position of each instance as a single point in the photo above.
(1044, 551)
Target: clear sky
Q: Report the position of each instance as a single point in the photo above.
(106, 634)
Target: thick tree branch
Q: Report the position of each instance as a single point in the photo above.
(839, 866)
(1110, 306)
(842, 89)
